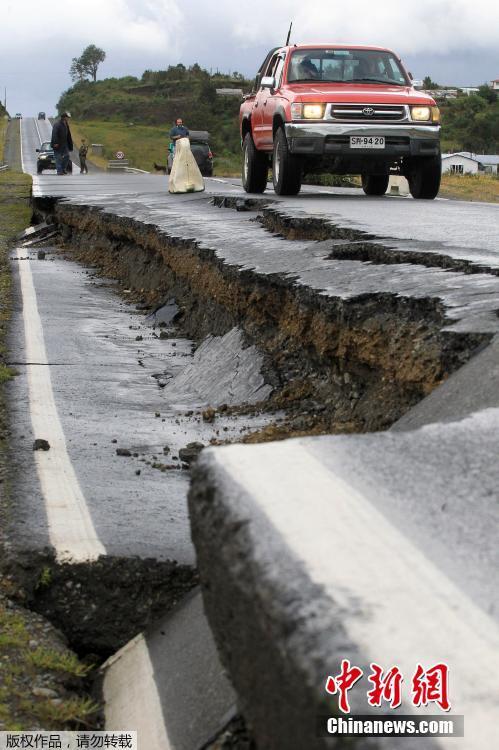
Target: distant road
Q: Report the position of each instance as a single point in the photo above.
(33, 133)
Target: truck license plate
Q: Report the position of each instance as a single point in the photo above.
(367, 141)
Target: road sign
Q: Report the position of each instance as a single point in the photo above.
(120, 155)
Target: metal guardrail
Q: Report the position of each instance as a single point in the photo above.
(120, 164)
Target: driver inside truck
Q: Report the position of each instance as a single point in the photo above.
(304, 70)
(370, 67)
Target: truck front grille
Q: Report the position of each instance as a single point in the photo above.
(367, 112)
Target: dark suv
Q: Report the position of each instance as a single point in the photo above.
(41, 115)
(46, 158)
(201, 151)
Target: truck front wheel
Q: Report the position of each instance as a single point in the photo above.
(375, 184)
(424, 177)
(255, 167)
(286, 168)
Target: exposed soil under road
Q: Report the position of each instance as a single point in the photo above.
(352, 364)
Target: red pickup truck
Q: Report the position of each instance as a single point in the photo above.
(338, 109)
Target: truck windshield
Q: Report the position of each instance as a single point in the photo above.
(346, 66)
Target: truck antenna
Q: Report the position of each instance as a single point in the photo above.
(289, 34)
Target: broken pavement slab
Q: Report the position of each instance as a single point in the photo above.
(36, 231)
(168, 684)
(377, 548)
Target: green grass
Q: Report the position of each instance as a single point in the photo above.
(3, 130)
(15, 215)
(471, 187)
(21, 666)
(56, 661)
(143, 145)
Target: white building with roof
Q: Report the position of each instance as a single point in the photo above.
(466, 162)
(495, 84)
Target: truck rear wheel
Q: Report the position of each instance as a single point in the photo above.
(375, 184)
(255, 167)
(286, 168)
(424, 177)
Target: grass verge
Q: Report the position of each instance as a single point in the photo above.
(143, 145)
(14, 217)
(3, 131)
(470, 187)
(41, 680)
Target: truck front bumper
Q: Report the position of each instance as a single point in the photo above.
(333, 139)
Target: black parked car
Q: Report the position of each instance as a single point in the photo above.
(201, 151)
(46, 158)
(41, 115)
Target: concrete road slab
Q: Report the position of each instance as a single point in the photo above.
(168, 684)
(377, 549)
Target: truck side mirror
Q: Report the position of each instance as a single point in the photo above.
(268, 82)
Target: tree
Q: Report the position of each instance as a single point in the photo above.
(76, 70)
(487, 93)
(429, 84)
(87, 64)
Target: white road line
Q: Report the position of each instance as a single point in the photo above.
(38, 131)
(70, 526)
(407, 610)
(134, 702)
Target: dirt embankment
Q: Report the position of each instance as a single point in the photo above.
(337, 365)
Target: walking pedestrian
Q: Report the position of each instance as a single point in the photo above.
(82, 153)
(62, 143)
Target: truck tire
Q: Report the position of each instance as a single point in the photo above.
(424, 177)
(255, 167)
(375, 184)
(286, 168)
(39, 170)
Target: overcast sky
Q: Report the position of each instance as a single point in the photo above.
(456, 42)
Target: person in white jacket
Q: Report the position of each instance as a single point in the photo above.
(185, 176)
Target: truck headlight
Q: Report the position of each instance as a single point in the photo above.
(435, 114)
(421, 114)
(313, 111)
(301, 111)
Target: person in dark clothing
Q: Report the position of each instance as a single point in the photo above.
(179, 130)
(62, 143)
(82, 153)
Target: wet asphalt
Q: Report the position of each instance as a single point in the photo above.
(110, 393)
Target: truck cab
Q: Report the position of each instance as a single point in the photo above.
(339, 109)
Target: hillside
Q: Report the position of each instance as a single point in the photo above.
(157, 99)
(471, 123)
